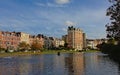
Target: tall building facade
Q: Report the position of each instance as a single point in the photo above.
(76, 38)
(24, 37)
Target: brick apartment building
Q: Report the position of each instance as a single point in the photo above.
(9, 40)
(76, 38)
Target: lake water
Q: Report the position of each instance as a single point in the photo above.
(66, 64)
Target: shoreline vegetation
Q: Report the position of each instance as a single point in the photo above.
(12, 54)
(112, 47)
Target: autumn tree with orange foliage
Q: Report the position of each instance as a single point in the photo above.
(36, 45)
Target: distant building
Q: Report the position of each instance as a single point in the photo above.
(92, 43)
(32, 38)
(65, 38)
(58, 42)
(48, 42)
(0, 38)
(84, 41)
(39, 38)
(76, 38)
(9, 40)
(24, 37)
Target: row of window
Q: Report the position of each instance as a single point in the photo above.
(9, 38)
(10, 35)
(8, 43)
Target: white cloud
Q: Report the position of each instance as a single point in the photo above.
(54, 5)
(69, 23)
(89, 20)
(48, 4)
(62, 1)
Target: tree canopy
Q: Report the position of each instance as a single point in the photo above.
(113, 28)
(36, 45)
(23, 46)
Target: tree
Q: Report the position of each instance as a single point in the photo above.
(66, 45)
(36, 45)
(113, 28)
(23, 46)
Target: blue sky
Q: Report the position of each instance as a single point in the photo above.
(52, 17)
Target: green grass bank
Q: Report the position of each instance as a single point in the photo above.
(43, 52)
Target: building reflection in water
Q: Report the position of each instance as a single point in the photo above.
(65, 64)
(91, 63)
(99, 64)
(59, 65)
(28, 65)
(75, 64)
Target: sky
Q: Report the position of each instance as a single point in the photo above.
(52, 17)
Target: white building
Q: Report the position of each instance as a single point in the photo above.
(58, 42)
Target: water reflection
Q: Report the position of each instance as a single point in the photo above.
(75, 64)
(65, 64)
(99, 64)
